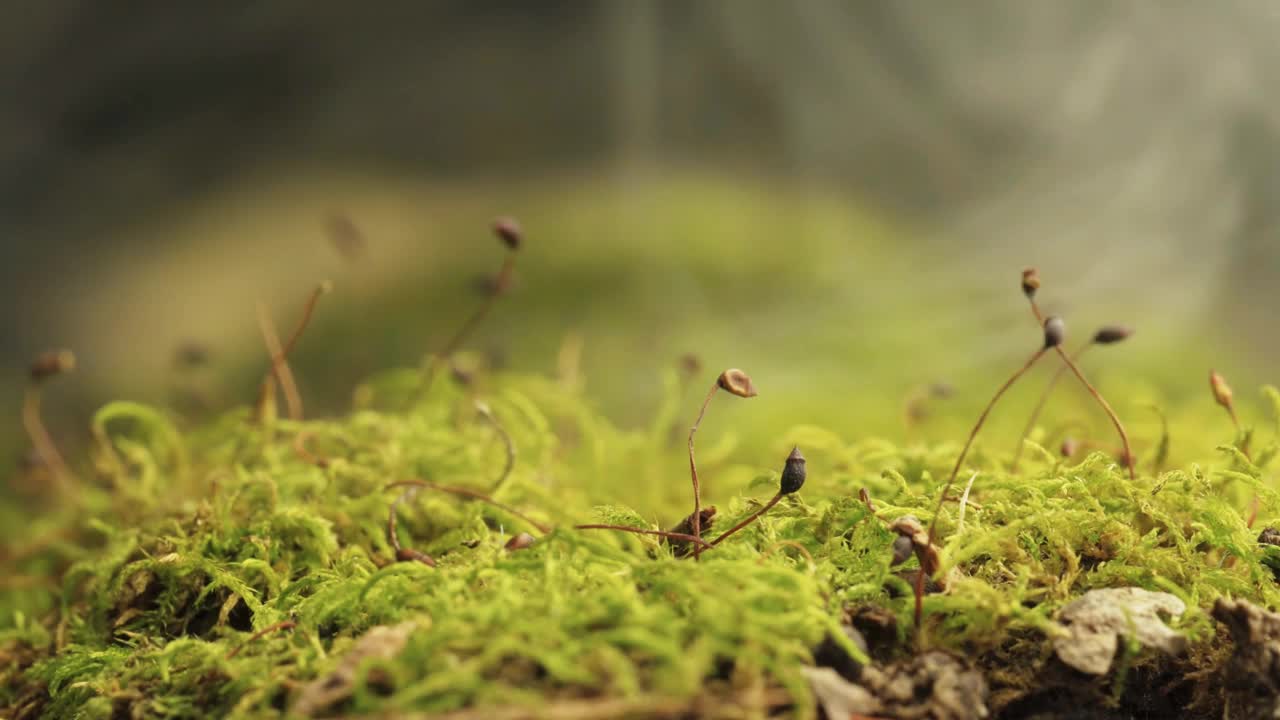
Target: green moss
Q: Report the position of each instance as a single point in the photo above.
(180, 546)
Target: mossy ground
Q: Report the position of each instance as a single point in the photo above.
(129, 599)
(138, 594)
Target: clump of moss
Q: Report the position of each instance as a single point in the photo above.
(219, 571)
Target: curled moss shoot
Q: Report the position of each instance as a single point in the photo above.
(509, 233)
(300, 449)
(1108, 335)
(45, 367)
(1075, 369)
(393, 536)
(792, 479)
(735, 382)
(487, 413)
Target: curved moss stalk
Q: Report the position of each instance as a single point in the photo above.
(45, 367)
(735, 382)
(792, 479)
(1030, 284)
(508, 231)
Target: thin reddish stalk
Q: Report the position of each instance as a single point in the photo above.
(1044, 398)
(933, 525)
(279, 371)
(468, 327)
(693, 471)
(1115, 420)
(41, 440)
(748, 520)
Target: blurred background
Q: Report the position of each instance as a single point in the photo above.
(836, 196)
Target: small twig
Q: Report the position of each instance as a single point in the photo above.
(642, 531)
(284, 625)
(279, 355)
(474, 495)
(279, 374)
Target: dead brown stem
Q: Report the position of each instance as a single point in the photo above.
(642, 531)
(474, 495)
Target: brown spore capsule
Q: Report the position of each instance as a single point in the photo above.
(1112, 334)
(1221, 390)
(737, 382)
(1030, 282)
(520, 542)
(902, 549)
(509, 232)
(793, 473)
(1055, 331)
(51, 363)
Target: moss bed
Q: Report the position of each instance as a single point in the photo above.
(238, 568)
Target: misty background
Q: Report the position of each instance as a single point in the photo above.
(828, 189)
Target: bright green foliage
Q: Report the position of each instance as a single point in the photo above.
(180, 546)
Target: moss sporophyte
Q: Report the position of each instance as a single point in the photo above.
(443, 557)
